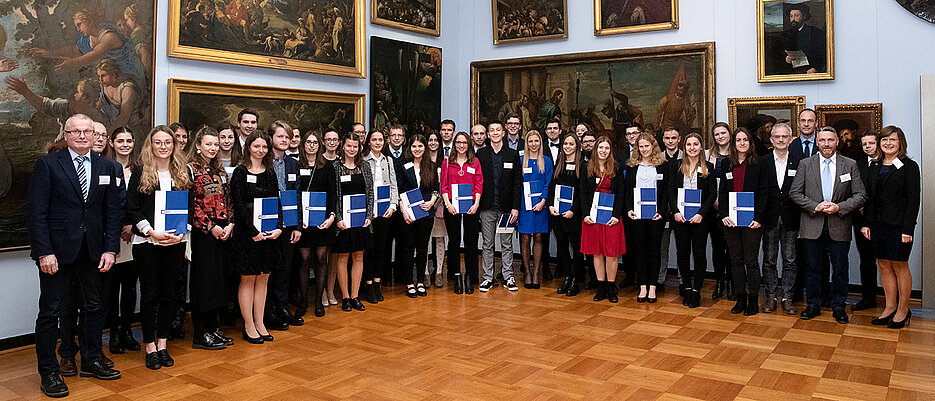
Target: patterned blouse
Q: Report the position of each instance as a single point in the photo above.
(212, 201)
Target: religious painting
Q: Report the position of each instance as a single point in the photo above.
(405, 85)
(759, 114)
(851, 120)
(196, 103)
(612, 17)
(320, 36)
(58, 58)
(924, 9)
(419, 16)
(517, 21)
(795, 40)
(655, 87)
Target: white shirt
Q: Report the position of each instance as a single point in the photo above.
(822, 166)
(690, 181)
(554, 149)
(416, 170)
(646, 176)
(780, 167)
(397, 153)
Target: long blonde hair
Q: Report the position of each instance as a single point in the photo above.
(702, 166)
(656, 158)
(539, 159)
(149, 179)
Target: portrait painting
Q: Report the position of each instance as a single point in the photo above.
(405, 85)
(612, 17)
(759, 114)
(517, 21)
(59, 58)
(851, 120)
(924, 9)
(657, 88)
(320, 36)
(795, 40)
(196, 103)
(419, 16)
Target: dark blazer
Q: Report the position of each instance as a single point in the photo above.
(754, 181)
(511, 180)
(863, 165)
(142, 206)
(811, 41)
(896, 198)
(568, 178)
(59, 220)
(707, 185)
(406, 180)
(779, 203)
(662, 201)
(292, 173)
(588, 185)
(795, 148)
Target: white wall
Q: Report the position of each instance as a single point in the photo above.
(881, 50)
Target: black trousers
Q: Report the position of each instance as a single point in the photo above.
(278, 292)
(377, 257)
(453, 223)
(121, 302)
(745, 258)
(570, 263)
(416, 241)
(395, 242)
(868, 266)
(720, 258)
(159, 271)
(79, 282)
(691, 240)
(69, 325)
(645, 236)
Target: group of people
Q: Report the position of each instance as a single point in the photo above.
(98, 199)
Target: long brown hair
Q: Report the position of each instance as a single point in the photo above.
(149, 179)
(750, 156)
(359, 158)
(258, 135)
(196, 158)
(560, 164)
(235, 155)
(134, 159)
(656, 158)
(702, 166)
(427, 165)
(469, 154)
(319, 158)
(594, 165)
(714, 148)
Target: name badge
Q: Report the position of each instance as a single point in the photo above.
(790, 173)
(438, 171)
(471, 170)
(251, 178)
(345, 178)
(408, 166)
(223, 179)
(521, 153)
(730, 176)
(897, 163)
(659, 177)
(527, 170)
(597, 180)
(846, 177)
(570, 166)
(118, 181)
(290, 177)
(507, 165)
(305, 172)
(104, 180)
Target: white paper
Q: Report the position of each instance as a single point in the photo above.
(798, 58)
(251, 178)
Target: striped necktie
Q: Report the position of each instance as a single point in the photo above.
(82, 176)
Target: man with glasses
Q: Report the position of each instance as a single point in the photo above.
(588, 139)
(397, 140)
(74, 220)
(627, 144)
(514, 134)
(805, 146)
(781, 225)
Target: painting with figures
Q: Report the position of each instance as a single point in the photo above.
(58, 58)
(516, 21)
(420, 16)
(405, 85)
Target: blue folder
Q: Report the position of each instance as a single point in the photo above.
(290, 208)
(382, 199)
(413, 201)
(355, 210)
(265, 214)
(741, 208)
(171, 211)
(462, 197)
(689, 202)
(602, 209)
(564, 195)
(314, 205)
(532, 194)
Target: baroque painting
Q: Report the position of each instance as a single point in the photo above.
(666, 86)
(517, 21)
(58, 58)
(628, 16)
(419, 16)
(405, 85)
(196, 103)
(759, 114)
(321, 36)
(850, 120)
(795, 40)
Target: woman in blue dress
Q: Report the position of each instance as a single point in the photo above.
(533, 217)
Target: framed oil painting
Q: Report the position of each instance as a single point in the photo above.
(612, 17)
(850, 120)
(405, 85)
(518, 21)
(59, 58)
(210, 103)
(419, 16)
(665, 86)
(759, 114)
(320, 36)
(924, 9)
(795, 40)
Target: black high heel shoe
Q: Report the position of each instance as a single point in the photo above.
(883, 321)
(252, 340)
(898, 325)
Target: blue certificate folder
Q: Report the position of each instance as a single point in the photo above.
(412, 201)
(171, 211)
(564, 195)
(689, 202)
(290, 208)
(644, 202)
(504, 226)
(382, 199)
(532, 194)
(602, 209)
(462, 197)
(314, 207)
(265, 214)
(355, 210)
(741, 208)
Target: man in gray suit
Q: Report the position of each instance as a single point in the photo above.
(828, 188)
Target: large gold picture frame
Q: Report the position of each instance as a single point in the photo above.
(270, 48)
(503, 20)
(776, 34)
(868, 116)
(432, 28)
(742, 109)
(646, 19)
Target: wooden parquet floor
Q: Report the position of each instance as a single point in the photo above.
(531, 345)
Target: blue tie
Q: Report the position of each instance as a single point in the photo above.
(827, 180)
(807, 145)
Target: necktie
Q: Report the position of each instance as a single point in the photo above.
(808, 147)
(82, 176)
(827, 180)
(447, 150)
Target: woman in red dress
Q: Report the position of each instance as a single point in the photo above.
(604, 241)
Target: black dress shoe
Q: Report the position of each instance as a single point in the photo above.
(97, 370)
(247, 338)
(840, 316)
(536, 286)
(68, 368)
(600, 295)
(346, 304)
(129, 341)
(379, 292)
(741, 304)
(468, 285)
(564, 287)
(106, 361)
(266, 337)
(718, 289)
(208, 341)
(893, 324)
(222, 338)
(611, 292)
(357, 305)
(459, 284)
(810, 312)
(695, 299)
(573, 288)
(864, 304)
(753, 305)
(116, 344)
(153, 362)
(164, 357)
(371, 292)
(880, 321)
(273, 323)
(319, 309)
(53, 386)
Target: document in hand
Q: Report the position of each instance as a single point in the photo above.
(689, 202)
(355, 210)
(265, 214)
(290, 208)
(532, 194)
(644, 202)
(462, 197)
(412, 201)
(171, 211)
(313, 208)
(602, 209)
(504, 226)
(564, 195)
(381, 199)
(741, 208)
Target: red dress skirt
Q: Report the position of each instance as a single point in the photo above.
(600, 239)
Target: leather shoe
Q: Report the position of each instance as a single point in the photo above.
(357, 305)
(468, 285)
(840, 316)
(53, 386)
(345, 305)
(67, 367)
(164, 358)
(769, 306)
(153, 362)
(247, 338)
(266, 338)
(130, 342)
(273, 323)
(289, 318)
(97, 370)
(864, 304)
(459, 284)
(371, 291)
(106, 361)
(228, 341)
(209, 342)
(810, 312)
(573, 288)
(788, 307)
(116, 343)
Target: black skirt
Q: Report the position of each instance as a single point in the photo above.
(314, 237)
(353, 240)
(207, 284)
(888, 243)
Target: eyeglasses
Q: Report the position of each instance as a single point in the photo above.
(85, 133)
(160, 144)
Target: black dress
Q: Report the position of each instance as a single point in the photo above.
(887, 238)
(313, 179)
(358, 181)
(249, 257)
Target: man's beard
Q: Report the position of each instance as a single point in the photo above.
(794, 25)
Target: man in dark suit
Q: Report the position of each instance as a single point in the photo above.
(828, 188)
(804, 146)
(781, 225)
(810, 40)
(396, 142)
(278, 316)
(74, 221)
(248, 121)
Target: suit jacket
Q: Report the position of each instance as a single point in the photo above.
(795, 148)
(848, 192)
(895, 198)
(511, 179)
(707, 185)
(753, 181)
(779, 203)
(292, 173)
(406, 180)
(863, 164)
(588, 185)
(662, 203)
(59, 220)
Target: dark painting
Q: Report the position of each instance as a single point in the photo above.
(621, 16)
(924, 9)
(795, 40)
(420, 16)
(517, 21)
(405, 85)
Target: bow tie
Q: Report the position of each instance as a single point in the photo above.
(554, 145)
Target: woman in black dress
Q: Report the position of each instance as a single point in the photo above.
(315, 175)
(254, 253)
(890, 217)
(567, 226)
(418, 171)
(352, 177)
(330, 142)
(122, 302)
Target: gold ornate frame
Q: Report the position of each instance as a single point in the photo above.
(599, 29)
(407, 27)
(178, 86)
(498, 41)
(875, 110)
(795, 104)
(761, 47)
(256, 60)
